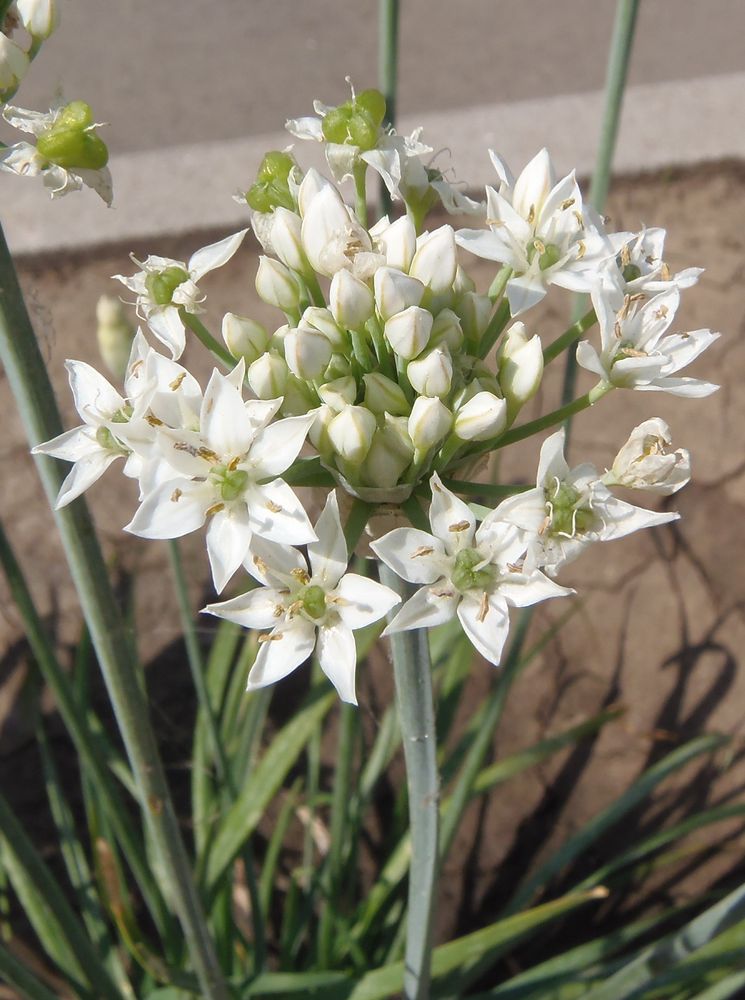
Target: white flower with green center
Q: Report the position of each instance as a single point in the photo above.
(165, 286)
(636, 350)
(68, 152)
(228, 473)
(569, 509)
(306, 606)
(540, 228)
(474, 573)
(110, 423)
(640, 266)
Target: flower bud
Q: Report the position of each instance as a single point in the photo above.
(398, 243)
(244, 338)
(276, 285)
(267, 376)
(435, 261)
(39, 17)
(474, 311)
(429, 423)
(339, 367)
(446, 330)
(13, 64)
(114, 334)
(431, 373)
(339, 393)
(299, 398)
(351, 300)
(351, 433)
(482, 417)
(332, 237)
(408, 332)
(318, 435)
(644, 463)
(520, 364)
(285, 239)
(322, 320)
(395, 291)
(462, 282)
(390, 454)
(307, 352)
(311, 184)
(383, 395)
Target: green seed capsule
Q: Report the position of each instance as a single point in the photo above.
(631, 272)
(373, 103)
(363, 131)
(314, 601)
(72, 147)
(275, 165)
(76, 114)
(335, 126)
(161, 285)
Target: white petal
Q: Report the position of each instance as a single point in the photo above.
(83, 474)
(80, 442)
(223, 418)
(533, 185)
(428, 607)
(363, 601)
(524, 292)
(271, 562)
(338, 658)
(488, 632)
(95, 398)
(485, 243)
(621, 518)
(172, 510)
(168, 327)
(526, 510)
(275, 448)
(228, 538)
(691, 387)
(523, 589)
(214, 255)
(588, 358)
(413, 554)
(452, 520)
(276, 513)
(328, 555)
(257, 609)
(552, 465)
(290, 645)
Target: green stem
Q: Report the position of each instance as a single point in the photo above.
(359, 171)
(314, 288)
(574, 332)
(412, 673)
(495, 491)
(214, 346)
(388, 17)
(30, 384)
(497, 287)
(497, 323)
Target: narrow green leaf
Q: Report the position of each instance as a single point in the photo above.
(730, 986)
(22, 979)
(242, 818)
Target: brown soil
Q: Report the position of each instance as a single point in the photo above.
(660, 625)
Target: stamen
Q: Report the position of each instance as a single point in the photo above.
(176, 384)
(214, 509)
(273, 507)
(176, 495)
(423, 550)
(270, 637)
(154, 422)
(459, 526)
(567, 203)
(483, 607)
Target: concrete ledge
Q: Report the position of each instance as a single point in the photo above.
(186, 188)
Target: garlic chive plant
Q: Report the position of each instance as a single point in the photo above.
(379, 382)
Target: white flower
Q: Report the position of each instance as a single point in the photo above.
(569, 509)
(306, 607)
(164, 286)
(39, 17)
(227, 473)
(474, 573)
(540, 228)
(100, 439)
(640, 267)
(333, 239)
(644, 463)
(25, 160)
(635, 352)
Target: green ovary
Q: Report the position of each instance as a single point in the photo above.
(465, 576)
(567, 517)
(161, 285)
(314, 601)
(230, 482)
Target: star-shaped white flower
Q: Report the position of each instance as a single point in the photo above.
(640, 266)
(164, 286)
(539, 227)
(474, 573)
(569, 509)
(227, 472)
(636, 350)
(25, 160)
(302, 607)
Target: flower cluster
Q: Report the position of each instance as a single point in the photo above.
(388, 373)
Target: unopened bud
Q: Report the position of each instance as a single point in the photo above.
(474, 311)
(13, 64)
(520, 364)
(446, 330)
(318, 435)
(114, 333)
(429, 423)
(435, 261)
(311, 184)
(351, 300)
(395, 291)
(351, 433)
(276, 285)
(398, 243)
(39, 17)
(339, 393)
(307, 352)
(299, 398)
(431, 373)
(389, 455)
(322, 320)
(244, 337)
(408, 332)
(484, 416)
(267, 376)
(645, 464)
(383, 395)
(286, 241)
